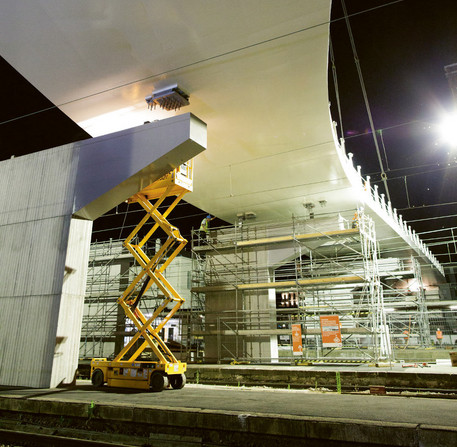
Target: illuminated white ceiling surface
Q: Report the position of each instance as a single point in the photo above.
(270, 145)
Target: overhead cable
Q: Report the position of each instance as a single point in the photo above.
(335, 83)
(365, 98)
(201, 61)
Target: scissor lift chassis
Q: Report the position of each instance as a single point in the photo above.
(125, 370)
(140, 375)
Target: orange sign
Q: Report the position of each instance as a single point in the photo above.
(331, 332)
(297, 346)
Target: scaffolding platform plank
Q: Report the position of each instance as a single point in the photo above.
(298, 237)
(303, 282)
(272, 331)
(220, 288)
(276, 240)
(329, 280)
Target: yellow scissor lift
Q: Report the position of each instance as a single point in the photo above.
(126, 370)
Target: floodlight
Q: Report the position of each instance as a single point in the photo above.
(448, 129)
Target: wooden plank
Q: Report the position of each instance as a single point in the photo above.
(300, 237)
(247, 332)
(281, 284)
(221, 288)
(303, 282)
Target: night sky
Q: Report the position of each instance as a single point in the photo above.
(402, 47)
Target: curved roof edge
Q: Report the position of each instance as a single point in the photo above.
(377, 203)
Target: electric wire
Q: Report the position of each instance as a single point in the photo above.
(346, 17)
(427, 206)
(335, 83)
(444, 168)
(449, 216)
(123, 222)
(407, 193)
(198, 62)
(365, 97)
(384, 149)
(437, 230)
(190, 216)
(394, 126)
(161, 207)
(405, 168)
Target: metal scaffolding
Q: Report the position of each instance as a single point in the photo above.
(249, 285)
(105, 329)
(422, 317)
(253, 283)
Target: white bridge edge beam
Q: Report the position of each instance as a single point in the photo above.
(377, 203)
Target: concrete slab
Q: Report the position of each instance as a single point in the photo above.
(355, 377)
(232, 415)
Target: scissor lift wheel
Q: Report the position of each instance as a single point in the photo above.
(177, 381)
(158, 381)
(97, 378)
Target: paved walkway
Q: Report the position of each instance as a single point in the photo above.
(254, 412)
(412, 410)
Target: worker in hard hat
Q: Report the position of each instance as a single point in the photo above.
(355, 221)
(439, 336)
(204, 226)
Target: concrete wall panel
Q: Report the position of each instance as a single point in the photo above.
(38, 186)
(72, 303)
(41, 299)
(27, 339)
(29, 251)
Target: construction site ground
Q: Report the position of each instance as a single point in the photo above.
(401, 376)
(227, 415)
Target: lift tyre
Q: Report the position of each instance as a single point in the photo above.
(97, 378)
(177, 381)
(158, 381)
